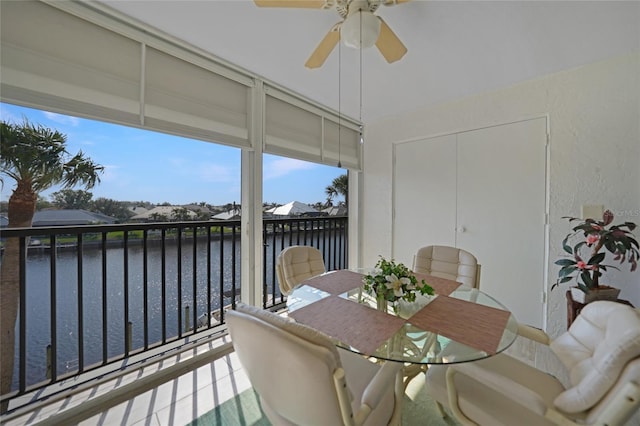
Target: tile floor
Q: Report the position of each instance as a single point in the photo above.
(181, 400)
(176, 402)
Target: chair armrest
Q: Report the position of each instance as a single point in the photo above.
(498, 382)
(379, 385)
(390, 372)
(533, 333)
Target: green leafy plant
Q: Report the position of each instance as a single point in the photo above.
(596, 236)
(393, 281)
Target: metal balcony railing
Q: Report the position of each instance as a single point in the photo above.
(98, 294)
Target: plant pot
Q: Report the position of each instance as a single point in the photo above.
(601, 293)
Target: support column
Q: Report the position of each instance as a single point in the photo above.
(252, 266)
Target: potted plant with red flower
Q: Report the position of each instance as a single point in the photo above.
(584, 260)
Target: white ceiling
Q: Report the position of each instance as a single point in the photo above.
(455, 48)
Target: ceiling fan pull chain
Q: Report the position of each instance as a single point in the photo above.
(339, 102)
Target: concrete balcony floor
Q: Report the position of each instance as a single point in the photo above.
(175, 402)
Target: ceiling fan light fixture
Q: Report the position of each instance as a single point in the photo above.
(351, 29)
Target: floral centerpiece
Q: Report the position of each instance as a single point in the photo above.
(584, 260)
(394, 281)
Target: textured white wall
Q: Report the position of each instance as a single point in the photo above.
(594, 120)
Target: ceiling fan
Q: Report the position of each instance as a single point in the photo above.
(359, 27)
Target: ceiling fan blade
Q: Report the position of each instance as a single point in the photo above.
(323, 50)
(393, 2)
(307, 4)
(389, 44)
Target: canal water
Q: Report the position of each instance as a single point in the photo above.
(94, 289)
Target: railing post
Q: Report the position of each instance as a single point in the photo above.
(48, 361)
(187, 324)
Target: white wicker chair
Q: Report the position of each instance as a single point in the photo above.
(303, 379)
(448, 262)
(601, 353)
(295, 264)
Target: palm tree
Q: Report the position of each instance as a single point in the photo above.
(339, 186)
(36, 158)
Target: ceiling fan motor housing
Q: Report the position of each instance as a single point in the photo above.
(360, 29)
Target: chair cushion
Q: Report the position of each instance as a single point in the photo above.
(630, 374)
(307, 333)
(298, 263)
(489, 407)
(359, 371)
(447, 262)
(595, 349)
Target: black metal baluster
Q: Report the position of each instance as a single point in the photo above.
(345, 236)
(208, 276)
(265, 251)
(54, 319)
(80, 287)
(274, 257)
(233, 269)
(314, 223)
(105, 353)
(332, 250)
(304, 232)
(125, 260)
(325, 254)
(145, 286)
(195, 278)
(23, 314)
(163, 268)
(179, 282)
(221, 284)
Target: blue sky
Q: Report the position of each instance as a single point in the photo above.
(147, 166)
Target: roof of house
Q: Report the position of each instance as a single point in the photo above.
(228, 215)
(293, 208)
(160, 210)
(138, 209)
(197, 208)
(336, 210)
(69, 217)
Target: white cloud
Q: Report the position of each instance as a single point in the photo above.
(283, 166)
(205, 172)
(178, 163)
(216, 173)
(62, 119)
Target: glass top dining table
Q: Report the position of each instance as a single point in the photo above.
(457, 324)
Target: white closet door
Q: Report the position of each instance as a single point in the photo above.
(424, 195)
(501, 212)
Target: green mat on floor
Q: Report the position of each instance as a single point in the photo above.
(244, 410)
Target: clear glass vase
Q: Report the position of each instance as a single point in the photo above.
(382, 304)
